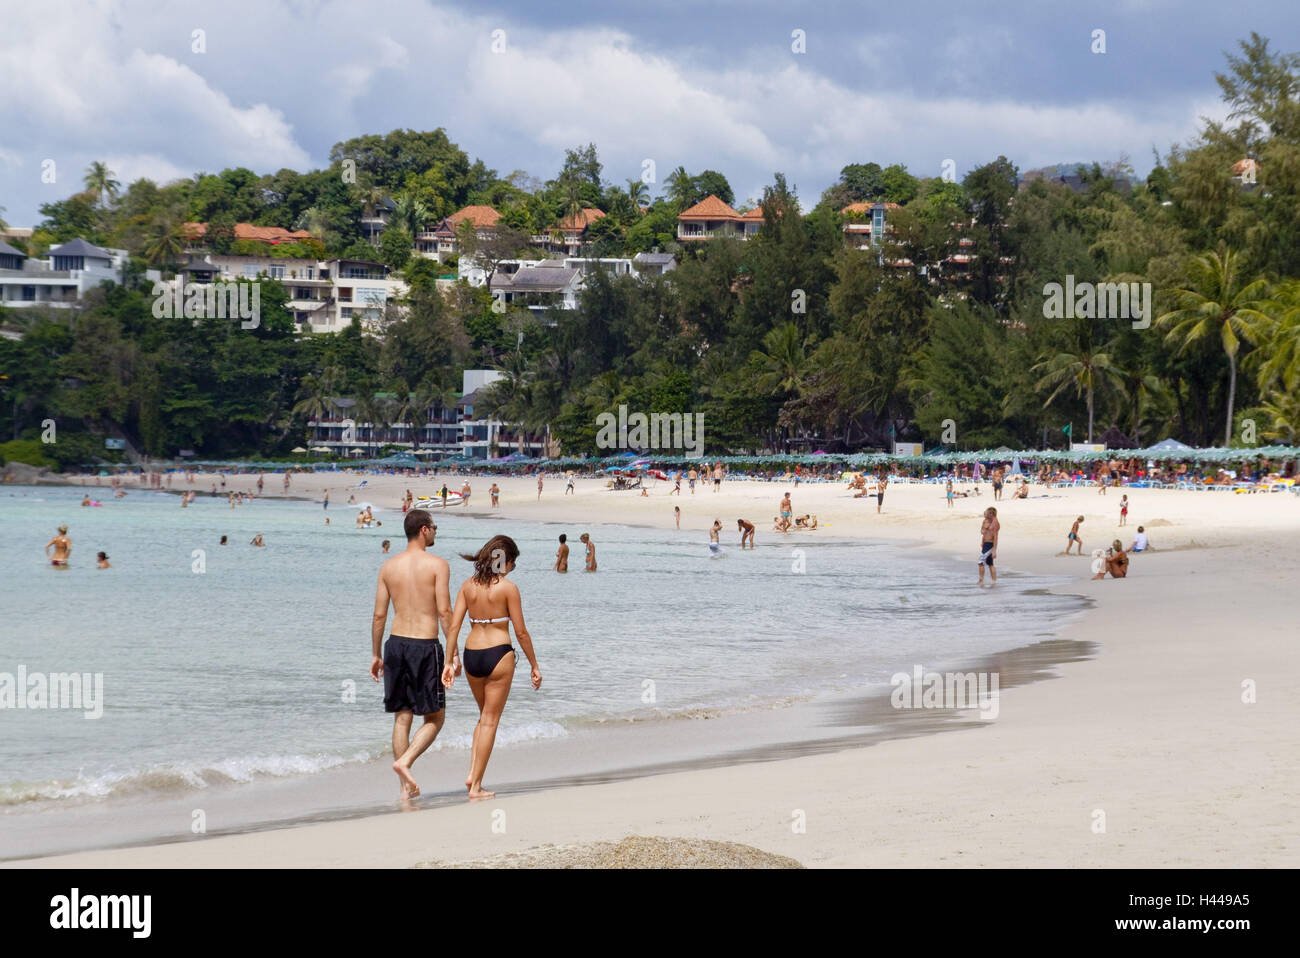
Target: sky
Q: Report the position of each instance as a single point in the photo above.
(746, 88)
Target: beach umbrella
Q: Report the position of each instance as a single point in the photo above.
(299, 449)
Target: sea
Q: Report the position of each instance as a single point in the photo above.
(237, 670)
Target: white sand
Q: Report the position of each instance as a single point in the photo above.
(1152, 732)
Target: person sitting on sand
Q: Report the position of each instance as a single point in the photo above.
(1140, 541)
(101, 559)
(1117, 564)
(1073, 537)
(746, 532)
(591, 551)
(492, 603)
(411, 665)
(1022, 492)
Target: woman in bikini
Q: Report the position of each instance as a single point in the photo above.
(492, 604)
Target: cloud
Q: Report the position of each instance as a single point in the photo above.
(281, 82)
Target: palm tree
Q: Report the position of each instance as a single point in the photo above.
(409, 214)
(317, 394)
(783, 359)
(1283, 409)
(3, 225)
(165, 238)
(1218, 301)
(99, 180)
(510, 398)
(373, 409)
(1279, 359)
(638, 192)
(680, 187)
(1084, 367)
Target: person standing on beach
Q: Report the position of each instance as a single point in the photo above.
(568, 487)
(495, 493)
(539, 487)
(591, 551)
(949, 493)
(62, 546)
(464, 495)
(259, 483)
(411, 666)
(746, 532)
(690, 478)
(677, 510)
(1073, 537)
(717, 476)
(989, 529)
(327, 499)
(491, 603)
(562, 555)
(443, 494)
(677, 483)
(787, 510)
(881, 483)
(1123, 510)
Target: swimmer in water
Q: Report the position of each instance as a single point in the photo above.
(102, 560)
(562, 555)
(62, 546)
(591, 551)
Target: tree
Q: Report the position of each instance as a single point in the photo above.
(166, 239)
(99, 181)
(1218, 301)
(1084, 366)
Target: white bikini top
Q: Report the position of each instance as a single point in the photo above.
(504, 618)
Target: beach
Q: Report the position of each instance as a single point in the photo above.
(1141, 754)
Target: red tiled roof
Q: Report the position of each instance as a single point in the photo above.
(582, 220)
(709, 208)
(480, 216)
(247, 231)
(755, 214)
(866, 207)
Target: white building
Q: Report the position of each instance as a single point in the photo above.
(324, 295)
(62, 279)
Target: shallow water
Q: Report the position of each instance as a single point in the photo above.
(242, 670)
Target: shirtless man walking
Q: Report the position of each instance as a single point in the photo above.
(989, 543)
(62, 549)
(417, 584)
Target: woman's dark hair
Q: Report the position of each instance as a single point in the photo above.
(491, 560)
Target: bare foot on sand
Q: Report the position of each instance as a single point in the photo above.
(409, 787)
(478, 794)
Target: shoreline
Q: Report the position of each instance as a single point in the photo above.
(1180, 690)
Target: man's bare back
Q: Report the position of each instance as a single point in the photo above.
(413, 580)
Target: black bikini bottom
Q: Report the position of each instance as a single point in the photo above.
(480, 662)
